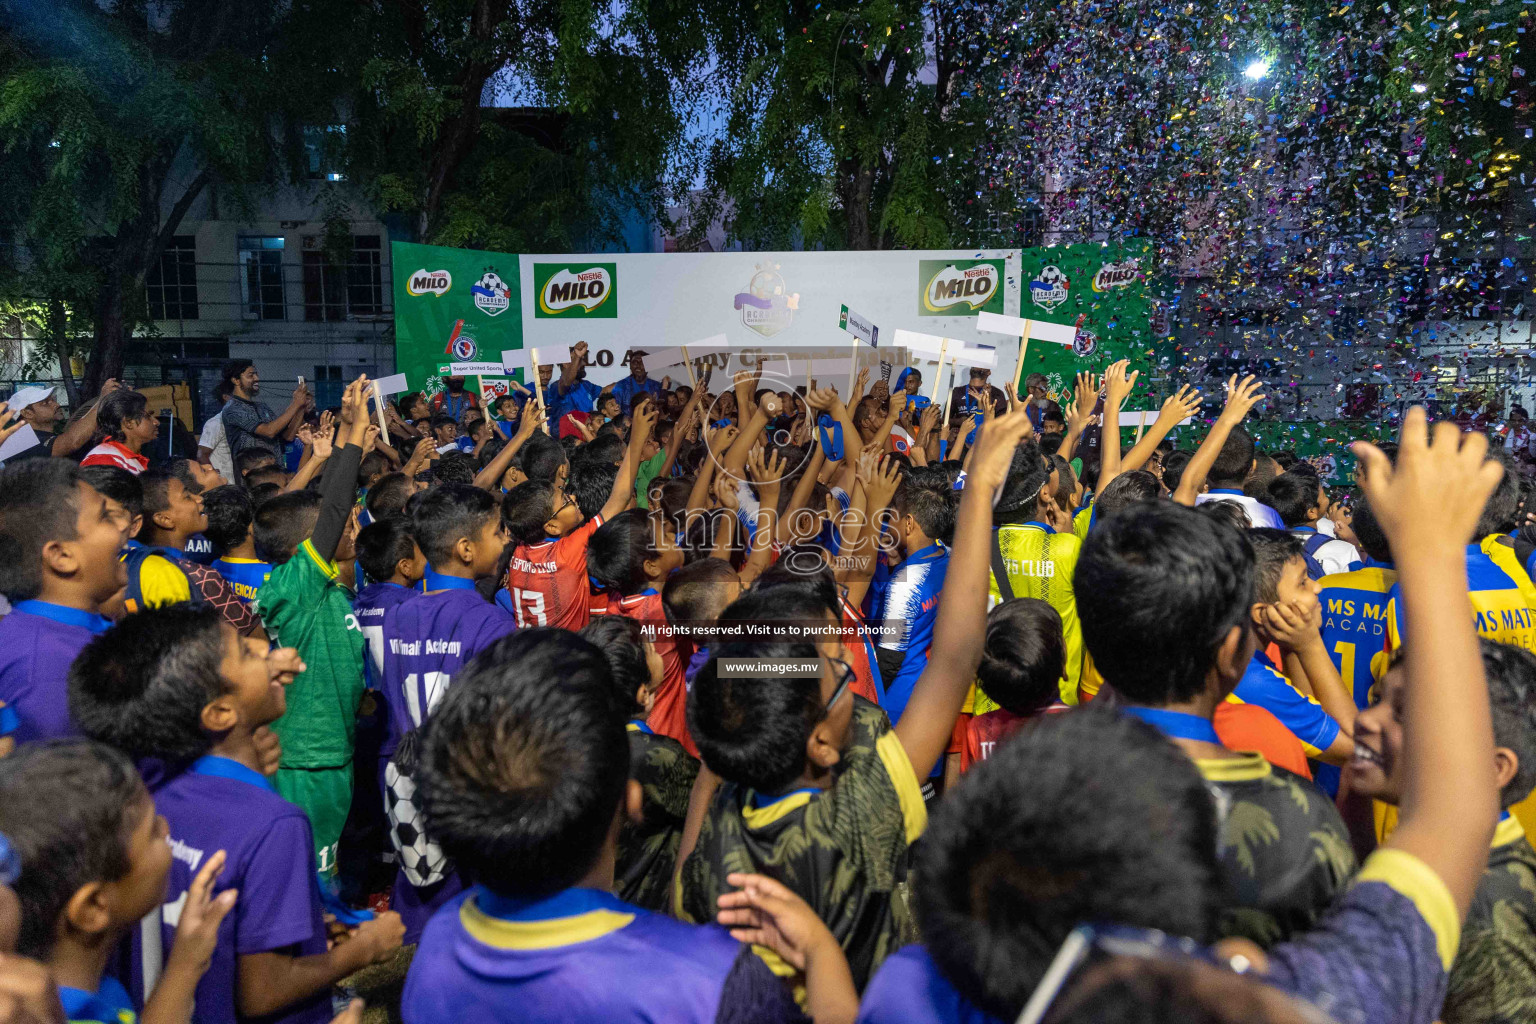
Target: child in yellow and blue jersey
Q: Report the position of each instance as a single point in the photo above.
(1037, 561)
(230, 513)
(1355, 609)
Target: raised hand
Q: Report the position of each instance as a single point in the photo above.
(1435, 492)
(579, 353)
(1119, 383)
(645, 416)
(765, 469)
(720, 439)
(898, 404)
(197, 933)
(772, 405)
(532, 419)
(1084, 398)
(883, 482)
(9, 421)
(1241, 398)
(1182, 404)
(821, 398)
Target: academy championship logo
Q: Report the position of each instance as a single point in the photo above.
(491, 294)
(767, 306)
(1115, 275)
(429, 282)
(576, 289)
(1049, 290)
(960, 288)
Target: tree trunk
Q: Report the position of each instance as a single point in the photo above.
(106, 360)
(857, 191)
(58, 334)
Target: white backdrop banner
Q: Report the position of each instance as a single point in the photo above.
(765, 304)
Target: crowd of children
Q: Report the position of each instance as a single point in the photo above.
(647, 703)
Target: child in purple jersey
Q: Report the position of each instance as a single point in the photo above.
(59, 546)
(429, 638)
(1090, 819)
(525, 781)
(394, 566)
(92, 865)
(177, 685)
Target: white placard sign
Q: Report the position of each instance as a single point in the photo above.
(984, 357)
(391, 385)
(920, 344)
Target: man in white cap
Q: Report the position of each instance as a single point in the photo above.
(39, 408)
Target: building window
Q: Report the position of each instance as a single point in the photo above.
(171, 288)
(261, 278)
(323, 152)
(328, 386)
(353, 289)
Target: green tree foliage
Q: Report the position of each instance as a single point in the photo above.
(843, 125)
(117, 117)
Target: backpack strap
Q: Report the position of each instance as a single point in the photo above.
(1000, 568)
(1310, 547)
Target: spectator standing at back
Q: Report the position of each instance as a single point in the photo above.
(252, 424)
(38, 407)
(213, 445)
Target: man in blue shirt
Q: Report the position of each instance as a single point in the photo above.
(637, 384)
(571, 391)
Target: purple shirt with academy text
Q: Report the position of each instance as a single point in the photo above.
(219, 804)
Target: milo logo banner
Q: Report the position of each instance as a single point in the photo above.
(960, 287)
(576, 289)
(1102, 291)
(452, 306)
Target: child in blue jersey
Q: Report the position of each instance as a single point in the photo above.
(230, 514)
(1286, 612)
(92, 865)
(909, 603)
(59, 546)
(525, 782)
(177, 686)
(430, 637)
(1302, 503)
(1354, 607)
(1095, 820)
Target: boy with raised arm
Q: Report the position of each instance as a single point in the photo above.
(821, 796)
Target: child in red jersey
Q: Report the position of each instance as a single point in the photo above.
(631, 556)
(1021, 669)
(546, 580)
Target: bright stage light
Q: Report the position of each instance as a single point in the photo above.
(1257, 70)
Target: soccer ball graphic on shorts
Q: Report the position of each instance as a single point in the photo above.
(422, 860)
